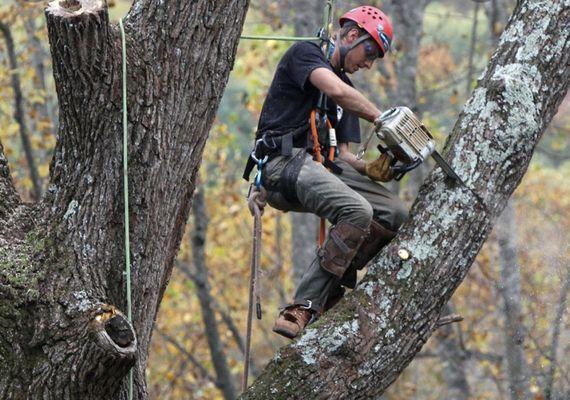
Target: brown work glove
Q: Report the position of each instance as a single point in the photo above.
(379, 169)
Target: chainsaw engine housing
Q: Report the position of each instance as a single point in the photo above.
(403, 134)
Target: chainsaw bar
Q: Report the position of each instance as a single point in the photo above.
(445, 166)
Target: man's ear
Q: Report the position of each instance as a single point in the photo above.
(352, 35)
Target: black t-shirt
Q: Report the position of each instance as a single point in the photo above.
(292, 96)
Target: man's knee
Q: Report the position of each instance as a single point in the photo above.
(359, 214)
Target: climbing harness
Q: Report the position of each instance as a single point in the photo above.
(264, 147)
(126, 187)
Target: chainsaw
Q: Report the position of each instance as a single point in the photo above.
(407, 140)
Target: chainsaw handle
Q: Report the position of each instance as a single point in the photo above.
(401, 169)
(382, 149)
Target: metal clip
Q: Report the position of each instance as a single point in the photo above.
(260, 163)
(308, 307)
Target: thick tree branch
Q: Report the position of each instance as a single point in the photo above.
(359, 348)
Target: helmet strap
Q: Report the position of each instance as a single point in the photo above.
(343, 50)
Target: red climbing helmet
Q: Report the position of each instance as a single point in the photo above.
(373, 21)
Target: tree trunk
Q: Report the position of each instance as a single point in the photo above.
(62, 332)
(510, 288)
(200, 278)
(361, 346)
(560, 309)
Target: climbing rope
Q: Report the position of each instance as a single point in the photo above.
(257, 197)
(256, 202)
(126, 188)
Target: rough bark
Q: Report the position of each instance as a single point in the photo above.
(200, 278)
(510, 289)
(62, 332)
(19, 113)
(361, 346)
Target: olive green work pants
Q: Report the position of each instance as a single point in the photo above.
(346, 198)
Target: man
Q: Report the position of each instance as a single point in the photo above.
(364, 215)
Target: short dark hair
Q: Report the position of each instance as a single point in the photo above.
(348, 26)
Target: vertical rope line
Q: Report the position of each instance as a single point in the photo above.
(254, 268)
(126, 188)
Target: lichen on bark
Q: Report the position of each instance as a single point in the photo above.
(399, 301)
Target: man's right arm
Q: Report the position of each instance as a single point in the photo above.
(342, 94)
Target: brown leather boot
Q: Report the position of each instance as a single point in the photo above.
(292, 320)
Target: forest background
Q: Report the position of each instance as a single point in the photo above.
(514, 300)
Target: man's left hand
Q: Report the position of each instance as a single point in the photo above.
(379, 169)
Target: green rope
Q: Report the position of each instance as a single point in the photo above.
(126, 188)
(328, 14)
(327, 23)
(284, 38)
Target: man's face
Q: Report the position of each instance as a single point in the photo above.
(362, 56)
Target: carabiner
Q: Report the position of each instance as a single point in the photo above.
(259, 169)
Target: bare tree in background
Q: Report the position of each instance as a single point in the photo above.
(510, 289)
(555, 336)
(497, 12)
(19, 112)
(408, 20)
(200, 278)
(46, 111)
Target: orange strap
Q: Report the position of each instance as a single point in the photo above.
(318, 156)
(316, 145)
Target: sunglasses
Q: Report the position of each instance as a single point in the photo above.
(372, 51)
